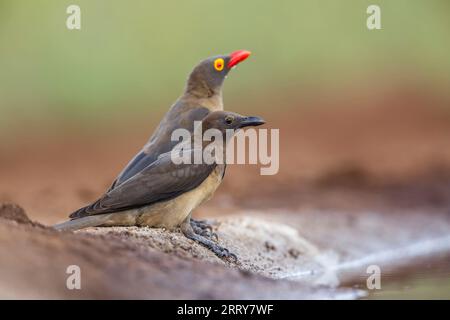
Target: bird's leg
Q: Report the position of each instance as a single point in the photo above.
(221, 252)
(204, 229)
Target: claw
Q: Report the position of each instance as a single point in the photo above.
(202, 224)
(207, 226)
(227, 254)
(203, 228)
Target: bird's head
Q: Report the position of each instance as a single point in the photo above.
(207, 77)
(223, 120)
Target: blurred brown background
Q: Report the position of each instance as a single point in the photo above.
(364, 116)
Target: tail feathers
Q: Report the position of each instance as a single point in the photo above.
(80, 223)
(82, 212)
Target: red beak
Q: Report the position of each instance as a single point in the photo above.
(237, 56)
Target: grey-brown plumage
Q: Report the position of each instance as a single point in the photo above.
(143, 190)
(164, 194)
(202, 95)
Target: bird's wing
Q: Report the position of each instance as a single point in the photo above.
(160, 142)
(161, 180)
(137, 164)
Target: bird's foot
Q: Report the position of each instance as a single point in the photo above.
(203, 228)
(219, 251)
(224, 253)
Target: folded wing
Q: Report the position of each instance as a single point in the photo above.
(160, 181)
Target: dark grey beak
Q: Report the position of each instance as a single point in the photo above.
(251, 122)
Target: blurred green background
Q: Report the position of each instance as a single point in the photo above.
(135, 55)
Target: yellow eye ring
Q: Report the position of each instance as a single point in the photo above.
(219, 64)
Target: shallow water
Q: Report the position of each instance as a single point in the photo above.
(424, 280)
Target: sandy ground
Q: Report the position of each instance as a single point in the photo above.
(131, 263)
(368, 183)
(303, 260)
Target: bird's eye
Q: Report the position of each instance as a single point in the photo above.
(229, 120)
(219, 64)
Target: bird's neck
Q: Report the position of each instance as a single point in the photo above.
(205, 97)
